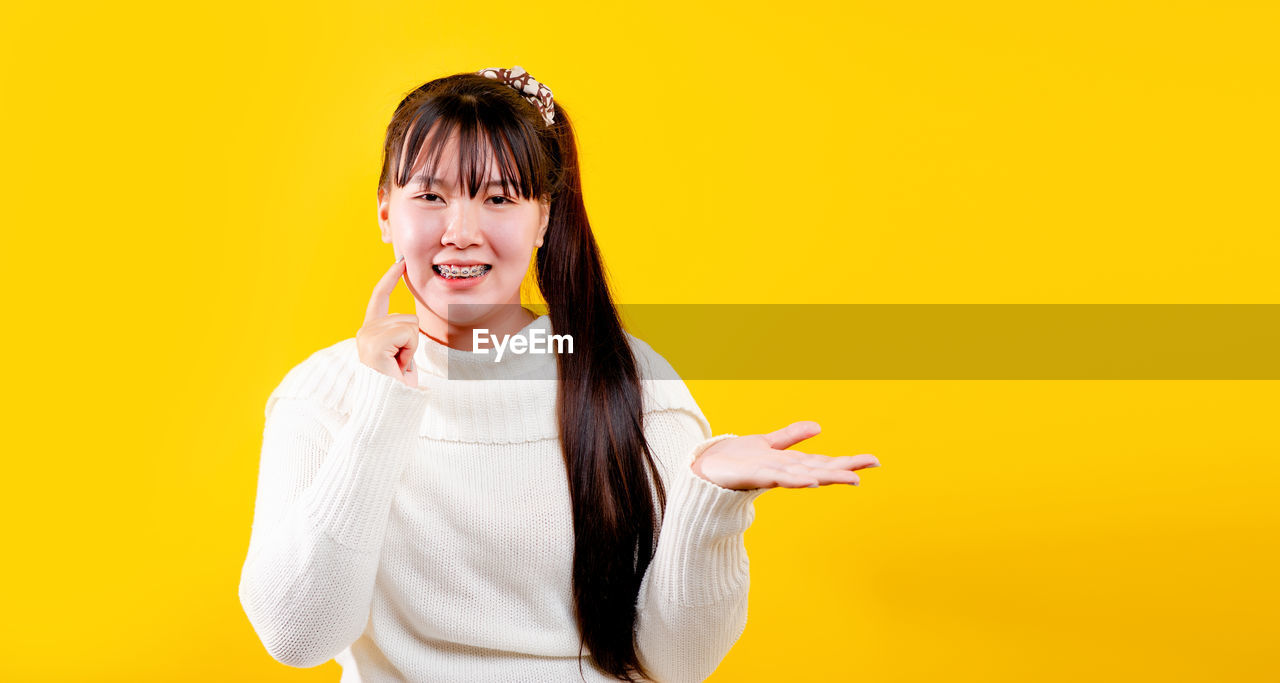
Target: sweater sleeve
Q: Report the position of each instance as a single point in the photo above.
(326, 482)
(692, 604)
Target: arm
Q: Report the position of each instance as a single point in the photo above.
(325, 489)
(692, 605)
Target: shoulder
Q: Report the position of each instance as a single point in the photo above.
(323, 377)
(663, 387)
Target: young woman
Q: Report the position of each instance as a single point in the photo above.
(425, 512)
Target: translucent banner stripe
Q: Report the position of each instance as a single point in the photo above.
(961, 341)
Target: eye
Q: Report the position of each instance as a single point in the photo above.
(428, 194)
(505, 200)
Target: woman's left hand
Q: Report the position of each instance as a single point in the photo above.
(761, 461)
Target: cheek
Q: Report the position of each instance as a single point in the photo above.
(517, 235)
(511, 249)
(416, 231)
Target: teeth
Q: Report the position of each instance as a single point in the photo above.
(461, 271)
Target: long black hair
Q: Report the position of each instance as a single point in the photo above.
(599, 401)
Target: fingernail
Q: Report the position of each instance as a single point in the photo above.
(813, 486)
(400, 259)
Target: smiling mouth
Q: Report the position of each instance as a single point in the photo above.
(461, 272)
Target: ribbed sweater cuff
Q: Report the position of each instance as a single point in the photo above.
(354, 486)
(709, 562)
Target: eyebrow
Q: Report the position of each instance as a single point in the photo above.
(424, 181)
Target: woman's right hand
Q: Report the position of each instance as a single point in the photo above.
(387, 342)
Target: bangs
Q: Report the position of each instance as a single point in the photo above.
(485, 135)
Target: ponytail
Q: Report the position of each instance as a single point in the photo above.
(601, 428)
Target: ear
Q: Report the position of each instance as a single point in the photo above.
(384, 214)
(545, 219)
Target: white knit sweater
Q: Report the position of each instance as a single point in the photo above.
(426, 534)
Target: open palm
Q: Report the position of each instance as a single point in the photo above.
(762, 461)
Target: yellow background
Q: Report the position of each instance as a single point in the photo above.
(189, 208)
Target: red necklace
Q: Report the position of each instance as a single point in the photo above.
(431, 337)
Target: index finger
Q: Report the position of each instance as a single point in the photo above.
(380, 301)
(837, 462)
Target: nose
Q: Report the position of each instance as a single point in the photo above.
(463, 229)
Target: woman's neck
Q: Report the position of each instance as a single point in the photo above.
(501, 322)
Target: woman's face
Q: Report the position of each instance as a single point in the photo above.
(440, 225)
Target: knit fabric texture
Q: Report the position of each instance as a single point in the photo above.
(426, 534)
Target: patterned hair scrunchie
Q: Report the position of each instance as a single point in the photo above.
(538, 94)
